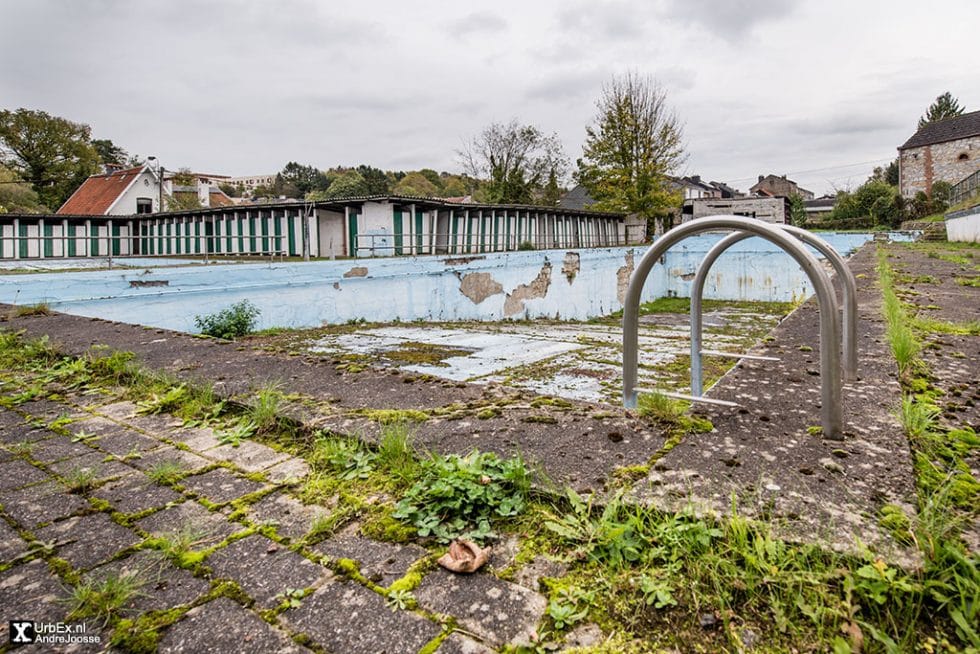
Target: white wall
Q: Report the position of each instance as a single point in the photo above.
(145, 187)
(964, 228)
(331, 228)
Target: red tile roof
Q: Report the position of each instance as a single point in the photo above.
(98, 192)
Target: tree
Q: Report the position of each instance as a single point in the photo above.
(349, 183)
(17, 196)
(54, 154)
(945, 106)
(300, 180)
(109, 152)
(888, 174)
(375, 180)
(635, 142)
(797, 210)
(876, 202)
(516, 160)
(416, 184)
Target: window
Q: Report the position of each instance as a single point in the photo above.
(144, 205)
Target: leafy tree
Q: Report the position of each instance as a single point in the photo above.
(109, 152)
(231, 190)
(17, 196)
(416, 184)
(432, 176)
(635, 142)
(797, 210)
(454, 186)
(375, 180)
(888, 174)
(300, 180)
(54, 154)
(945, 106)
(876, 201)
(349, 183)
(516, 160)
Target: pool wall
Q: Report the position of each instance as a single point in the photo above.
(572, 284)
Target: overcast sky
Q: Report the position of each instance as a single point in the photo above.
(822, 90)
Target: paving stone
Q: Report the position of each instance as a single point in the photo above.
(221, 626)
(30, 592)
(264, 569)
(208, 527)
(291, 470)
(127, 441)
(380, 562)
(498, 611)
(157, 425)
(220, 485)
(59, 448)
(457, 644)
(96, 425)
(88, 540)
(94, 462)
(136, 493)
(11, 544)
(164, 585)
(23, 433)
(347, 617)
(291, 518)
(530, 575)
(584, 636)
(248, 455)
(199, 440)
(41, 503)
(17, 473)
(121, 411)
(188, 461)
(10, 420)
(45, 409)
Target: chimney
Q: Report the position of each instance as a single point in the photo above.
(696, 178)
(112, 168)
(761, 178)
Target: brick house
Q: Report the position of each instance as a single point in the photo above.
(779, 186)
(946, 150)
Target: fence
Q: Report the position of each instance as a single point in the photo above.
(965, 188)
(384, 244)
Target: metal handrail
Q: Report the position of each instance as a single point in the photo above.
(830, 373)
(848, 283)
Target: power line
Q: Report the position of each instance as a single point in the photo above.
(818, 170)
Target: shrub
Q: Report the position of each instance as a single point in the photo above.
(237, 320)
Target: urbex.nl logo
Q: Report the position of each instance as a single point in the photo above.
(22, 632)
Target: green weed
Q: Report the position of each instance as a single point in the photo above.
(237, 320)
(104, 599)
(461, 497)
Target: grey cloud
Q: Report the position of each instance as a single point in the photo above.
(603, 21)
(570, 86)
(732, 19)
(481, 21)
(844, 125)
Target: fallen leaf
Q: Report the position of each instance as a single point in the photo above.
(464, 556)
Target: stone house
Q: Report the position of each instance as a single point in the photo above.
(778, 185)
(767, 209)
(946, 150)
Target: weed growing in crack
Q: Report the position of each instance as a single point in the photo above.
(265, 412)
(347, 457)
(166, 472)
(396, 452)
(460, 497)
(105, 598)
(80, 480)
